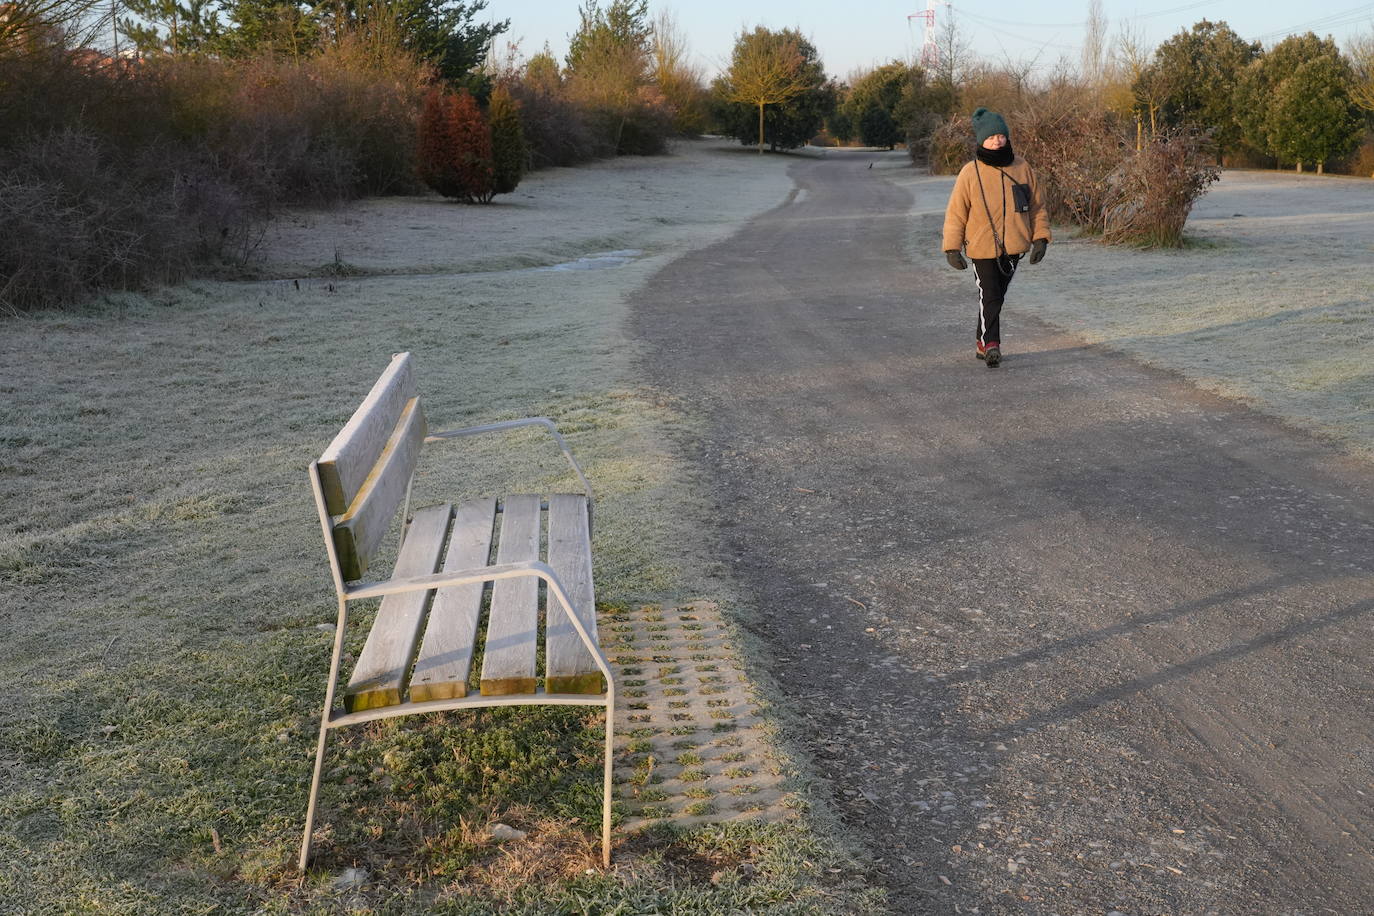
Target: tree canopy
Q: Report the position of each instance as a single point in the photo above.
(775, 90)
(1192, 78)
(1295, 102)
(442, 32)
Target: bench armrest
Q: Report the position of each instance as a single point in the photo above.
(487, 574)
(516, 424)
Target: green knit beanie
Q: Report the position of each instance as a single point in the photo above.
(986, 123)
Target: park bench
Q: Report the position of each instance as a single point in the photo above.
(445, 583)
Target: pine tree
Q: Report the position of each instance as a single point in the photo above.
(472, 149)
(438, 142)
(508, 150)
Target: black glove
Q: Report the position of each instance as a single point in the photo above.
(956, 260)
(1038, 250)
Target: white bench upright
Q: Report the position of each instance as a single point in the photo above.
(433, 600)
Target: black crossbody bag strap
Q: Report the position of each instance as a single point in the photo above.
(1001, 248)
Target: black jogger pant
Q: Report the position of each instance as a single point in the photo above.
(994, 276)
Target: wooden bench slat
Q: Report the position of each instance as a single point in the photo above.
(379, 678)
(348, 460)
(508, 663)
(570, 668)
(441, 671)
(358, 531)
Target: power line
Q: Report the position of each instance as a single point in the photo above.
(1176, 9)
(1034, 41)
(1081, 22)
(1348, 17)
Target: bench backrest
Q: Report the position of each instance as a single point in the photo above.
(365, 471)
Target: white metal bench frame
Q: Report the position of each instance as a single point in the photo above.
(332, 718)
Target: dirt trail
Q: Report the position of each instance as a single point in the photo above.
(1067, 636)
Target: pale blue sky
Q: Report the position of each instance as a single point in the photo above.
(862, 33)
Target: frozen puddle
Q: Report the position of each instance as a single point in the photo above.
(599, 261)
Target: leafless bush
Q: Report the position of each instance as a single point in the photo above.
(1153, 191)
(1074, 153)
(180, 160)
(951, 145)
(920, 132)
(1361, 162)
(556, 130)
(75, 219)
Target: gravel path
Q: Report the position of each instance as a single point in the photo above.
(1069, 636)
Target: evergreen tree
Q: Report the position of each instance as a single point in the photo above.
(841, 125)
(1259, 83)
(270, 25)
(473, 149)
(171, 27)
(439, 31)
(1312, 117)
(437, 163)
(881, 88)
(1307, 120)
(455, 156)
(508, 150)
(878, 128)
(1198, 71)
(608, 64)
(776, 81)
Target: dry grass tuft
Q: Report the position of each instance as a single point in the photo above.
(552, 851)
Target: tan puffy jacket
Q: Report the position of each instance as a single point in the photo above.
(966, 221)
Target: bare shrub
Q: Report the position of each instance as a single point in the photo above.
(1074, 152)
(1360, 162)
(555, 129)
(119, 173)
(1153, 191)
(75, 218)
(951, 145)
(648, 124)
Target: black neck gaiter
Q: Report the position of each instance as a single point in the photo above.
(998, 157)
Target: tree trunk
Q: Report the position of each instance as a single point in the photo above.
(1321, 167)
(1299, 166)
(760, 128)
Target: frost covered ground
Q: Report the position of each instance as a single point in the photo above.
(162, 582)
(1271, 303)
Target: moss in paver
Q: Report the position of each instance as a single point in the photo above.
(697, 710)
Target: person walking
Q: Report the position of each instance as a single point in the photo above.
(996, 213)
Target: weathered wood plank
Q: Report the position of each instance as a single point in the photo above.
(441, 671)
(570, 668)
(379, 677)
(359, 530)
(349, 459)
(508, 664)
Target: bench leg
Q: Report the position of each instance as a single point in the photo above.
(324, 734)
(314, 798)
(610, 761)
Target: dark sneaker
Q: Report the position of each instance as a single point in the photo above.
(993, 355)
(980, 350)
